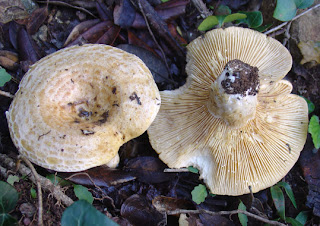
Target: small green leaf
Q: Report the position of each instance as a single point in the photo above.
(193, 170)
(254, 19)
(302, 217)
(263, 28)
(242, 217)
(57, 180)
(82, 193)
(234, 16)
(33, 193)
(12, 179)
(311, 106)
(285, 10)
(83, 213)
(289, 192)
(302, 4)
(4, 76)
(223, 10)
(314, 130)
(278, 200)
(293, 221)
(8, 197)
(199, 193)
(208, 23)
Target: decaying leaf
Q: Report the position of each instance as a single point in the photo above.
(310, 51)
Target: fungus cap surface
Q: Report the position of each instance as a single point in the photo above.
(76, 107)
(263, 142)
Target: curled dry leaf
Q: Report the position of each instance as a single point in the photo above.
(138, 211)
(36, 19)
(79, 29)
(100, 176)
(163, 203)
(9, 59)
(148, 169)
(92, 34)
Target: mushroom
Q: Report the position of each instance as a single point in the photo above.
(234, 119)
(76, 107)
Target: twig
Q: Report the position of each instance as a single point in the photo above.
(202, 211)
(69, 5)
(202, 8)
(152, 35)
(160, 27)
(182, 170)
(6, 94)
(45, 183)
(296, 17)
(36, 175)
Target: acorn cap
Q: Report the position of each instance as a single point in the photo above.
(76, 107)
(258, 152)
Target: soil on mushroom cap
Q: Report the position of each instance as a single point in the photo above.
(246, 79)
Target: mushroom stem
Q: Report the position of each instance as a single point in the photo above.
(233, 95)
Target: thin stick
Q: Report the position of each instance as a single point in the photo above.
(152, 35)
(68, 5)
(180, 211)
(182, 170)
(36, 175)
(202, 8)
(6, 94)
(296, 17)
(45, 183)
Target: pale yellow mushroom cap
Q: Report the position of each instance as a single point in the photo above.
(257, 150)
(77, 106)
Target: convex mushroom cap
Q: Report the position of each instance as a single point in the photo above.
(76, 107)
(234, 119)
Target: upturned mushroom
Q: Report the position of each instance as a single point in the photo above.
(234, 119)
(76, 107)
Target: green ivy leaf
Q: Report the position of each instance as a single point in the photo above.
(302, 4)
(242, 217)
(82, 193)
(208, 23)
(8, 197)
(289, 192)
(193, 170)
(314, 130)
(285, 10)
(311, 106)
(8, 201)
(302, 217)
(12, 179)
(4, 76)
(278, 200)
(293, 221)
(254, 19)
(83, 213)
(199, 193)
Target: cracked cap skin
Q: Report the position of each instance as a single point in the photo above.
(76, 107)
(250, 137)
